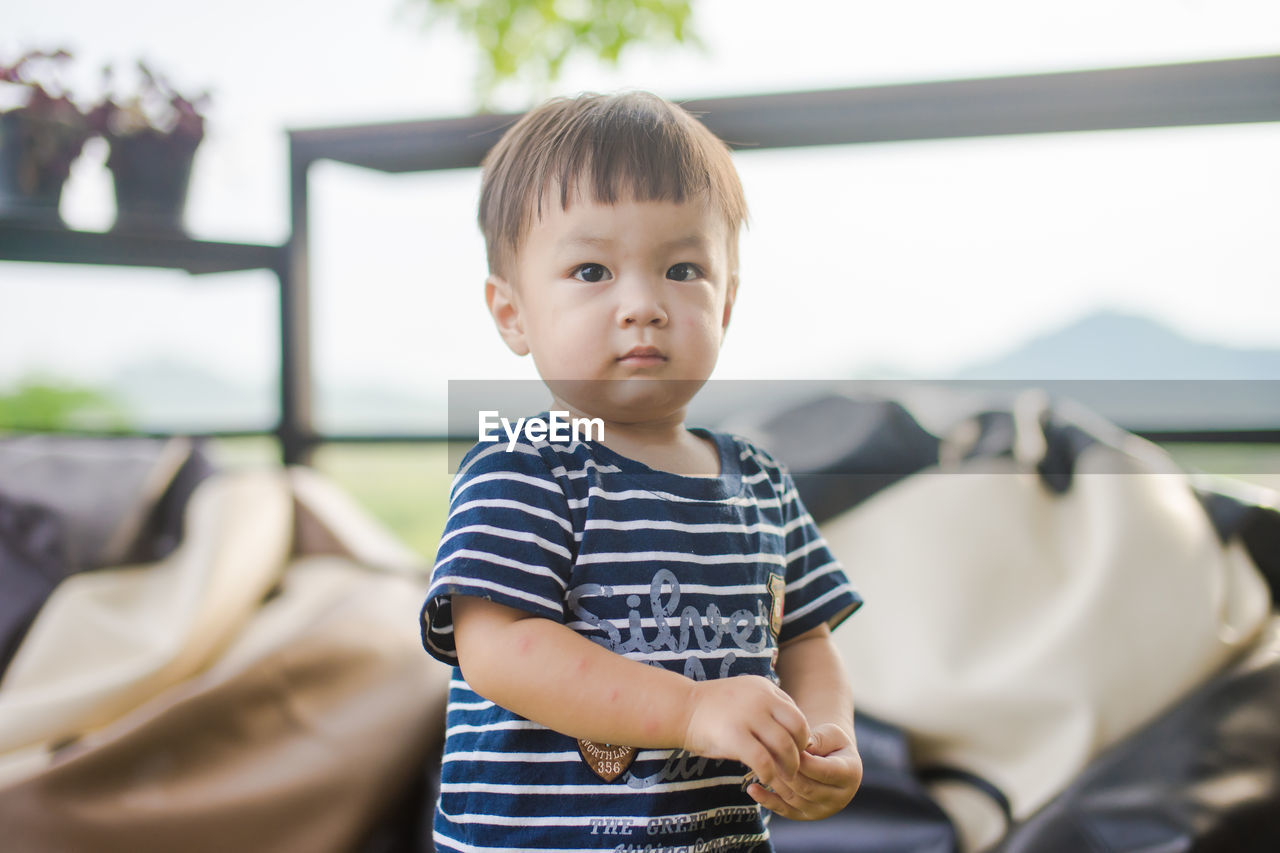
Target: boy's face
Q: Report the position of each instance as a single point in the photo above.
(605, 294)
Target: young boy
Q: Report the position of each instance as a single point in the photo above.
(641, 621)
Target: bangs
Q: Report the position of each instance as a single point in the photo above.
(629, 147)
(605, 165)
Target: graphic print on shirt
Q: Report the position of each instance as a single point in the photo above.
(708, 631)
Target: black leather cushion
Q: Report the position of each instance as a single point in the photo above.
(72, 504)
(121, 499)
(1202, 778)
(32, 562)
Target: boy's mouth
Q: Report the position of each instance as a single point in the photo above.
(643, 356)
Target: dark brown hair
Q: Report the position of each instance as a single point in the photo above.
(629, 146)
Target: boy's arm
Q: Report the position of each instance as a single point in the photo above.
(552, 675)
(831, 769)
(813, 675)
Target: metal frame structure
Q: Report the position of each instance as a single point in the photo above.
(1200, 93)
(1229, 91)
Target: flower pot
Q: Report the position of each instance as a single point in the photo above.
(36, 153)
(151, 172)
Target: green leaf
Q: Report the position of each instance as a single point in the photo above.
(43, 404)
(528, 42)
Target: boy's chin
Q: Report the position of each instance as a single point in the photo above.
(624, 401)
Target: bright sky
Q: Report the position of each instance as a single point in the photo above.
(924, 256)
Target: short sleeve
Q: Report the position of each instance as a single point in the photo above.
(817, 589)
(508, 538)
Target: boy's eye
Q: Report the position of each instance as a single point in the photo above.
(590, 273)
(684, 271)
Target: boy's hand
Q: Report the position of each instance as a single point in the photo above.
(830, 773)
(747, 718)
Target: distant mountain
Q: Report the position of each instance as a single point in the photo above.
(1069, 362)
(1110, 345)
(1142, 374)
(177, 395)
(166, 395)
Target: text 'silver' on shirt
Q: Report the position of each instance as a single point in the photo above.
(705, 576)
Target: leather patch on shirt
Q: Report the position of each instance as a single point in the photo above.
(605, 759)
(777, 595)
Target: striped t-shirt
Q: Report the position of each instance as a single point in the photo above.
(705, 576)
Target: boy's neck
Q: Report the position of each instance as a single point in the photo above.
(663, 444)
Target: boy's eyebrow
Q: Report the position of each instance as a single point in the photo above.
(689, 241)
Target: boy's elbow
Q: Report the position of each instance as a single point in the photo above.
(476, 677)
(477, 663)
(490, 645)
(484, 668)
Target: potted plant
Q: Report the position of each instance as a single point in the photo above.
(40, 137)
(153, 136)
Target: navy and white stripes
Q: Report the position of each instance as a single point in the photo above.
(679, 572)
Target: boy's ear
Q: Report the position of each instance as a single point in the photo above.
(498, 295)
(730, 296)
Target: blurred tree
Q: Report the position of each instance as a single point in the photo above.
(530, 40)
(42, 404)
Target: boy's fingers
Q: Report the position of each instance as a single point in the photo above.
(819, 743)
(827, 739)
(772, 802)
(757, 757)
(787, 793)
(790, 718)
(806, 788)
(781, 748)
(788, 802)
(827, 770)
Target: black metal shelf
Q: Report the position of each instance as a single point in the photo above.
(21, 241)
(33, 243)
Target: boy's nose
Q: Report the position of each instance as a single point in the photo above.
(640, 304)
